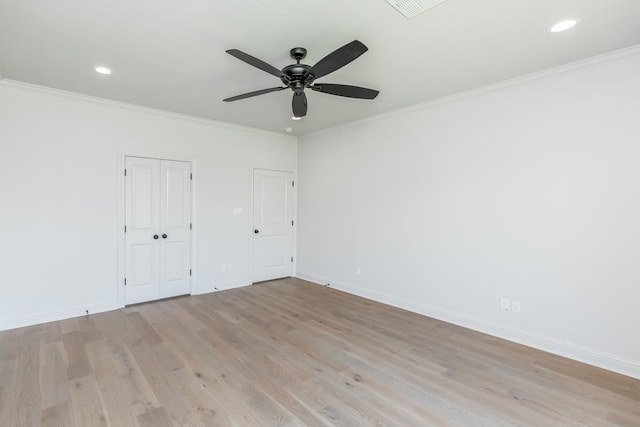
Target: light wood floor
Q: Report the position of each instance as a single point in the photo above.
(291, 353)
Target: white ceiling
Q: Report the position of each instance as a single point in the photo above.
(171, 54)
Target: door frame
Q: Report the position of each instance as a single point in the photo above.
(294, 216)
(121, 215)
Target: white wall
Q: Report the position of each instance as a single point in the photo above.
(61, 216)
(528, 190)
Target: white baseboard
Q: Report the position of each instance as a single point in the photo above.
(69, 312)
(219, 287)
(53, 315)
(582, 354)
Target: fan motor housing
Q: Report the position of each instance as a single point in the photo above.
(295, 72)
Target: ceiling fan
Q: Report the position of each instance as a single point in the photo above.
(299, 76)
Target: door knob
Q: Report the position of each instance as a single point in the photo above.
(164, 236)
(256, 231)
(155, 236)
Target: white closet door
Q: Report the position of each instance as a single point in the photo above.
(143, 225)
(175, 244)
(273, 227)
(158, 232)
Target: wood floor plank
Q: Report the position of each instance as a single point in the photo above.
(155, 418)
(6, 397)
(69, 325)
(8, 370)
(116, 328)
(10, 344)
(260, 371)
(78, 363)
(135, 385)
(622, 420)
(205, 404)
(54, 383)
(120, 404)
(144, 329)
(57, 416)
(287, 353)
(86, 402)
(89, 328)
(52, 332)
(210, 361)
(24, 401)
(413, 375)
(161, 384)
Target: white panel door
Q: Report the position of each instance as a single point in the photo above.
(273, 224)
(175, 244)
(142, 228)
(158, 212)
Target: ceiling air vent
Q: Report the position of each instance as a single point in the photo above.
(413, 8)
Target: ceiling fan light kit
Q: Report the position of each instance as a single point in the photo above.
(298, 77)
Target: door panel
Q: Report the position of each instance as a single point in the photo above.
(273, 213)
(143, 220)
(175, 206)
(143, 266)
(174, 270)
(145, 196)
(272, 251)
(177, 194)
(158, 203)
(273, 200)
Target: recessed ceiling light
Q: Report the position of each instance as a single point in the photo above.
(296, 118)
(103, 70)
(563, 25)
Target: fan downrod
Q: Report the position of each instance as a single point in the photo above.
(294, 74)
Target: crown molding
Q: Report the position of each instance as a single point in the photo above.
(119, 104)
(606, 57)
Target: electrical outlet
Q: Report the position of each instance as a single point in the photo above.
(357, 271)
(504, 304)
(515, 306)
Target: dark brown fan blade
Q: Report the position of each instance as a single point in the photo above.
(255, 93)
(345, 90)
(255, 62)
(299, 104)
(337, 59)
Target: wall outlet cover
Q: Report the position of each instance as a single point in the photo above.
(515, 306)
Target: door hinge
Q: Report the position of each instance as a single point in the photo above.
(190, 226)
(125, 228)
(291, 259)
(125, 281)
(125, 172)
(293, 183)
(191, 176)
(291, 222)
(190, 272)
